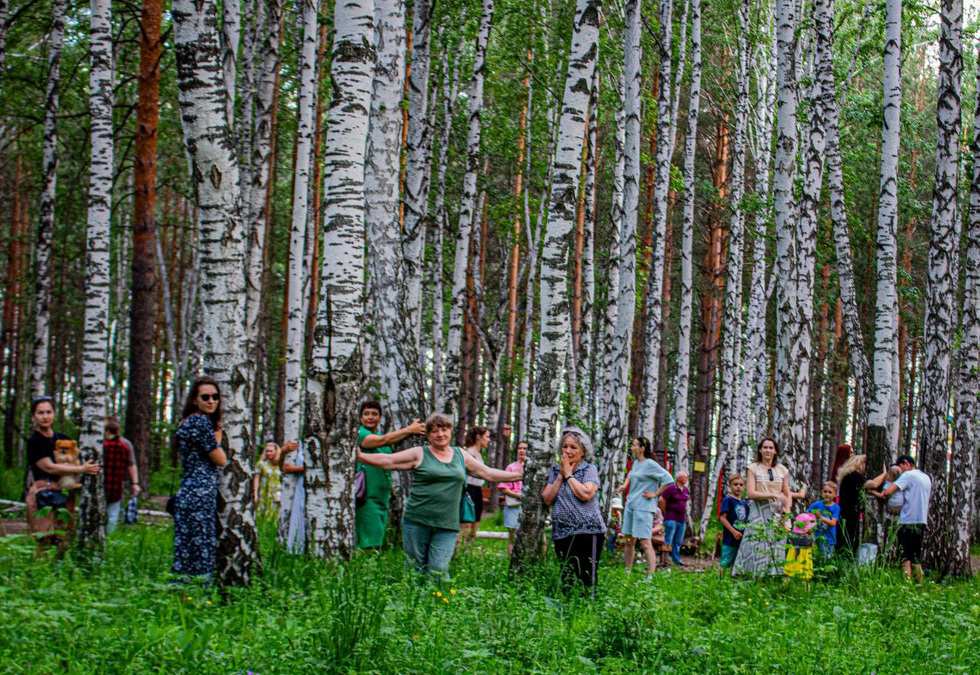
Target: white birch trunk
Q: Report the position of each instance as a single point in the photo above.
(883, 407)
(562, 204)
(791, 404)
(661, 186)
(687, 248)
(4, 12)
(334, 379)
(214, 170)
(731, 353)
(45, 229)
(253, 20)
(614, 442)
(231, 29)
(467, 215)
(394, 323)
(261, 165)
(298, 256)
(91, 506)
(583, 359)
(941, 286)
(963, 464)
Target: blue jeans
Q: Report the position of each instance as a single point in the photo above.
(428, 548)
(673, 537)
(112, 511)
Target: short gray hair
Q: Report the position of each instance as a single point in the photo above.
(581, 438)
(437, 420)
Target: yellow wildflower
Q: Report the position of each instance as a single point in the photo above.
(438, 594)
(453, 591)
(446, 600)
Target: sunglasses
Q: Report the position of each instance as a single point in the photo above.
(770, 475)
(41, 399)
(209, 397)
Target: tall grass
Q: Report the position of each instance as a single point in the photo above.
(370, 616)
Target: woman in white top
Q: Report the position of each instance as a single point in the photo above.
(767, 491)
(477, 439)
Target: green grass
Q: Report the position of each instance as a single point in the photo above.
(306, 616)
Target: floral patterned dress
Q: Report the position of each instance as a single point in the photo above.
(270, 483)
(195, 516)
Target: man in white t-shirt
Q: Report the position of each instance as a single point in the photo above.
(916, 487)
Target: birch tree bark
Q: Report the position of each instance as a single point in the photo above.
(298, 256)
(882, 440)
(661, 186)
(231, 31)
(214, 171)
(731, 359)
(91, 505)
(562, 202)
(963, 464)
(792, 401)
(467, 215)
(334, 379)
(687, 247)
(614, 433)
(4, 12)
(941, 287)
(45, 230)
(583, 354)
(394, 320)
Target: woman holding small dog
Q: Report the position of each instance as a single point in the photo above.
(45, 490)
(199, 444)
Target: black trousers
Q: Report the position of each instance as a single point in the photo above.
(578, 556)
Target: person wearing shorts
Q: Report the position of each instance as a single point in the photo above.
(512, 496)
(734, 516)
(646, 479)
(917, 489)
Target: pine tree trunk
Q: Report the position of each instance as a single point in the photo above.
(91, 506)
(45, 230)
(467, 215)
(941, 289)
(554, 298)
(143, 293)
(298, 258)
(210, 146)
(687, 248)
(334, 381)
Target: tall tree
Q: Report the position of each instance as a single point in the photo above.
(91, 507)
(214, 171)
(941, 287)
(300, 252)
(467, 215)
(45, 230)
(562, 201)
(334, 378)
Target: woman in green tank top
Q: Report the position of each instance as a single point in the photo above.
(431, 520)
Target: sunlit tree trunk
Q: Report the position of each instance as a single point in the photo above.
(941, 288)
(334, 377)
(214, 170)
(91, 506)
(549, 373)
(467, 215)
(300, 252)
(45, 230)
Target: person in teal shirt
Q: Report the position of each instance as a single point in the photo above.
(645, 481)
(371, 519)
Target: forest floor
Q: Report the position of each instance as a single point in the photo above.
(304, 616)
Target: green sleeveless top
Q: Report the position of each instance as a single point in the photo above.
(437, 489)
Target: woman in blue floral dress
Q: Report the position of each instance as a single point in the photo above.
(195, 515)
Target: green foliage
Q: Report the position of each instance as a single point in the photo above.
(305, 616)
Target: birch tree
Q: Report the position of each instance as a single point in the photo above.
(467, 215)
(882, 438)
(334, 378)
(91, 507)
(941, 287)
(214, 172)
(298, 255)
(562, 204)
(45, 230)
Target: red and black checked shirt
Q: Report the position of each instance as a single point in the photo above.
(115, 460)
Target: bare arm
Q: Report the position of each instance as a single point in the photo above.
(255, 489)
(134, 476)
(510, 493)
(550, 491)
(293, 468)
(476, 467)
(889, 491)
(406, 460)
(876, 482)
(375, 441)
(625, 486)
(750, 491)
(582, 491)
(731, 530)
(48, 466)
(218, 457)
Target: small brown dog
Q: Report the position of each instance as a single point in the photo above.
(66, 452)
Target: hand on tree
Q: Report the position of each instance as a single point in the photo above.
(289, 446)
(89, 468)
(417, 427)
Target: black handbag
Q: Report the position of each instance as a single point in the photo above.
(53, 498)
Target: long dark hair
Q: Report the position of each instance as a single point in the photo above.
(190, 403)
(758, 450)
(474, 434)
(646, 445)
